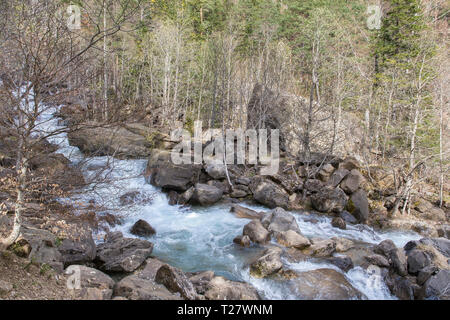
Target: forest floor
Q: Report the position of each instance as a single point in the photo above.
(28, 281)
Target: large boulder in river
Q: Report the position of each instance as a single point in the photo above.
(321, 248)
(119, 254)
(136, 288)
(358, 206)
(176, 282)
(205, 194)
(162, 172)
(292, 239)
(278, 220)
(256, 232)
(269, 193)
(324, 284)
(220, 288)
(268, 264)
(118, 141)
(246, 213)
(437, 287)
(142, 229)
(329, 200)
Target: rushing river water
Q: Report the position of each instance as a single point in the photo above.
(201, 238)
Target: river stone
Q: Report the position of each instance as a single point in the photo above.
(256, 232)
(292, 239)
(216, 170)
(437, 286)
(201, 280)
(343, 263)
(338, 223)
(426, 273)
(324, 284)
(243, 241)
(343, 244)
(142, 229)
(378, 260)
(246, 213)
(329, 200)
(399, 261)
(78, 251)
(94, 284)
(119, 254)
(176, 281)
(268, 264)
(220, 288)
(278, 220)
(385, 247)
(417, 260)
(135, 288)
(313, 185)
(402, 287)
(321, 248)
(152, 265)
(348, 217)
(206, 195)
(268, 193)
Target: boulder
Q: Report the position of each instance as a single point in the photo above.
(268, 193)
(243, 241)
(343, 263)
(358, 206)
(444, 231)
(402, 287)
(246, 213)
(176, 282)
(206, 195)
(313, 185)
(399, 261)
(101, 141)
(268, 264)
(417, 260)
(321, 248)
(378, 260)
(93, 284)
(186, 196)
(152, 265)
(78, 251)
(292, 239)
(385, 247)
(329, 200)
(201, 281)
(337, 177)
(142, 229)
(349, 163)
(324, 284)
(440, 244)
(135, 288)
(425, 274)
(339, 223)
(348, 217)
(343, 244)
(46, 253)
(352, 181)
(216, 170)
(278, 220)
(437, 287)
(119, 254)
(256, 232)
(242, 181)
(238, 193)
(220, 288)
(325, 172)
(162, 172)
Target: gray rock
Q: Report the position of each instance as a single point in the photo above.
(268, 193)
(322, 248)
(359, 206)
(348, 217)
(94, 284)
(426, 273)
(216, 170)
(201, 281)
(437, 287)
(152, 266)
(206, 195)
(329, 200)
(292, 239)
(399, 261)
(337, 177)
(403, 288)
(256, 232)
(268, 264)
(46, 253)
(243, 241)
(338, 223)
(5, 287)
(343, 263)
(135, 288)
(385, 247)
(313, 185)
(176, 282)
(349, 163)
(220, 288)
(142, 229)
(417, 260)
(378, 260)
(80, 251)
(278, 220)
(352, 181)
(119, 254)
(246, 213)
